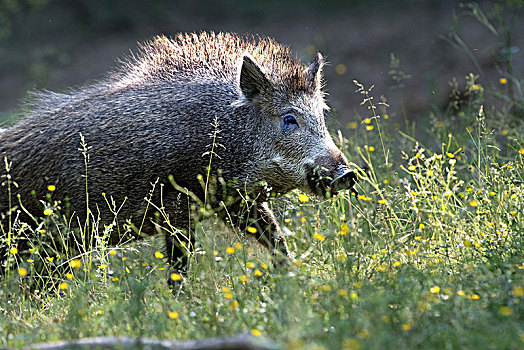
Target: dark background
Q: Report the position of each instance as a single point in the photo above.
(56, 44)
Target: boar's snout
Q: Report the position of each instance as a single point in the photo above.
(330, 175)
(345, 179)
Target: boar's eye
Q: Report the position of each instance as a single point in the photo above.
(289, 123)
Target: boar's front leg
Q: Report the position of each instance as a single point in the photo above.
(178, 232)
(179, 247)
(268, 232)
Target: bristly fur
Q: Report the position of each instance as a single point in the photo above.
(211, 56)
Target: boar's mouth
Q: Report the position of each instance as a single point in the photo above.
(324, 184)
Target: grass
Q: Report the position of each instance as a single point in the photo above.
(429, 255)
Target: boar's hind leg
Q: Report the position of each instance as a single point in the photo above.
(268, 232)
(179, 248)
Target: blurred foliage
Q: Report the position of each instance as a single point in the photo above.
(11, 8)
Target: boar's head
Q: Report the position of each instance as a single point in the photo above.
(295, 149)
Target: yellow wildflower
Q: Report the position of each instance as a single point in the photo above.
(352, 125)
(303, 198)
(382, 268)
(518, 291)
(233, 305)
(22, 272)
(75, 263)
(505, 311)
(51, 188)
(173, 315)
(319, 236)
(325, 288)
(344, 229)
(159, 255)
(243, 278)
(230, 250)
(340, 256)
(341, 69)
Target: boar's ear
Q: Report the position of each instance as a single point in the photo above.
(253, 81)
(314, 72)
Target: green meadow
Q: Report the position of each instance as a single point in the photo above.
(429, 254)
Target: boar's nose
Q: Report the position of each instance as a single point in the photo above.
(345, 179)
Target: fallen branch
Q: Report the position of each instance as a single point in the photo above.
(241, 341)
